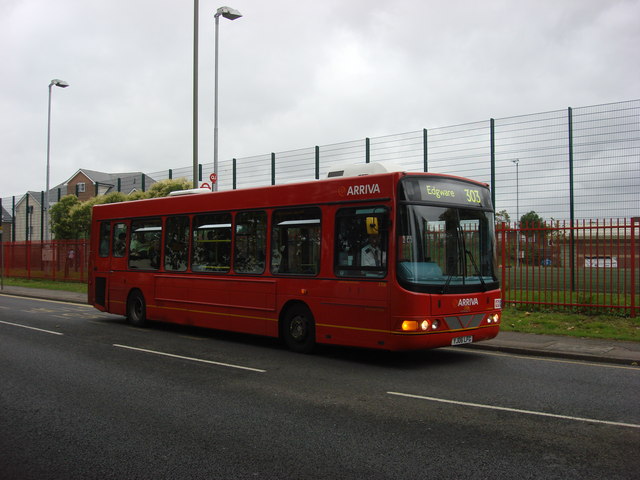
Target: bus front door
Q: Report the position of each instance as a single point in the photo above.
(116, 297)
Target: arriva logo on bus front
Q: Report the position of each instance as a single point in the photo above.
(468, 302)
(368, 189)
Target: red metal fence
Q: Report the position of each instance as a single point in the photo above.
(60, 260)
(589, 267)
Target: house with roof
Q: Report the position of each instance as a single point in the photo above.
(86, 184)
(7, 225)
(28, 217)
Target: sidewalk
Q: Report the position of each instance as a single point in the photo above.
(60, 295)
(589, 349)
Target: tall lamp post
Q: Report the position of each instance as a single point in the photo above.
(62, 84)
(196, 8)
(516, 162)
(231, 14)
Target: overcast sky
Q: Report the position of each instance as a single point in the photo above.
(293, 74)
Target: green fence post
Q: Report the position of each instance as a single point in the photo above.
(234, 173)
(273, 168)
(572, 260)
(634, 221)
(317, 162)
(425, 150)
(367, 150)
(26, 223)
(170, 174)
(13, 218)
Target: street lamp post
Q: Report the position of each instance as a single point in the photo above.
(231, 14)
(62, 84)
(196, 8)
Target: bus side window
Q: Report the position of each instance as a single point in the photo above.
(361, 242)
(250, 242)
(211, 245)
(144, 246)
(119, 239)
(176, 244)
(105, 230)
(295, 242)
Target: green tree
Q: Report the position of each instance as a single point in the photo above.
(71, 219)
(532, 219)
(534, 228)
(164, 187)
(62, 224)
(113, 197)
(502, 217)
(81, 213)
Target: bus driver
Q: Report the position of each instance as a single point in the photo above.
(371, 254)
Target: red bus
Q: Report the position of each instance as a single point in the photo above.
(395, 261)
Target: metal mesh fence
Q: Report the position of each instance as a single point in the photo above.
(580, 163)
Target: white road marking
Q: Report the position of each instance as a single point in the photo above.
(190, 358)
(515, 410)
(31, 328)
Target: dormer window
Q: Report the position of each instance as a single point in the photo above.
(81, 187)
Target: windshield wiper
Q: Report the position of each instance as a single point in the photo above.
(446, 284)
(461, 248)
(475, 266)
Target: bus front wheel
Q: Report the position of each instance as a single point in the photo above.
(136, 309)
(299, 329)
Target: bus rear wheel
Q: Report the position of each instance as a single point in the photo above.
(299, 329)
(136, 309)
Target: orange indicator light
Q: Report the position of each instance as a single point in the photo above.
(409, 325)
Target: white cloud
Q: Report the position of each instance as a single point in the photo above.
(292, 74)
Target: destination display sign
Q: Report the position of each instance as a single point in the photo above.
(440, 190)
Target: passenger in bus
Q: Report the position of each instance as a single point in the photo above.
(139, 248)
(276, 258)
(118, 245)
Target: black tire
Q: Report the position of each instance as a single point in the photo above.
(136, 309)
(299, 329)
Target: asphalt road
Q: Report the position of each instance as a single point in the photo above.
(84, 395)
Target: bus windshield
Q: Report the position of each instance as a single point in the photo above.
(446, 249)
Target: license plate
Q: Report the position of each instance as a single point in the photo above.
(461, 340)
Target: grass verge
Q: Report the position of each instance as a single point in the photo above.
(571, 324)
(46, 284)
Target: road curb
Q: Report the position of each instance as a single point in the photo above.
(78, 298)
(536, 352)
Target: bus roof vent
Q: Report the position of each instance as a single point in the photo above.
(190, 191)
(360, 169)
